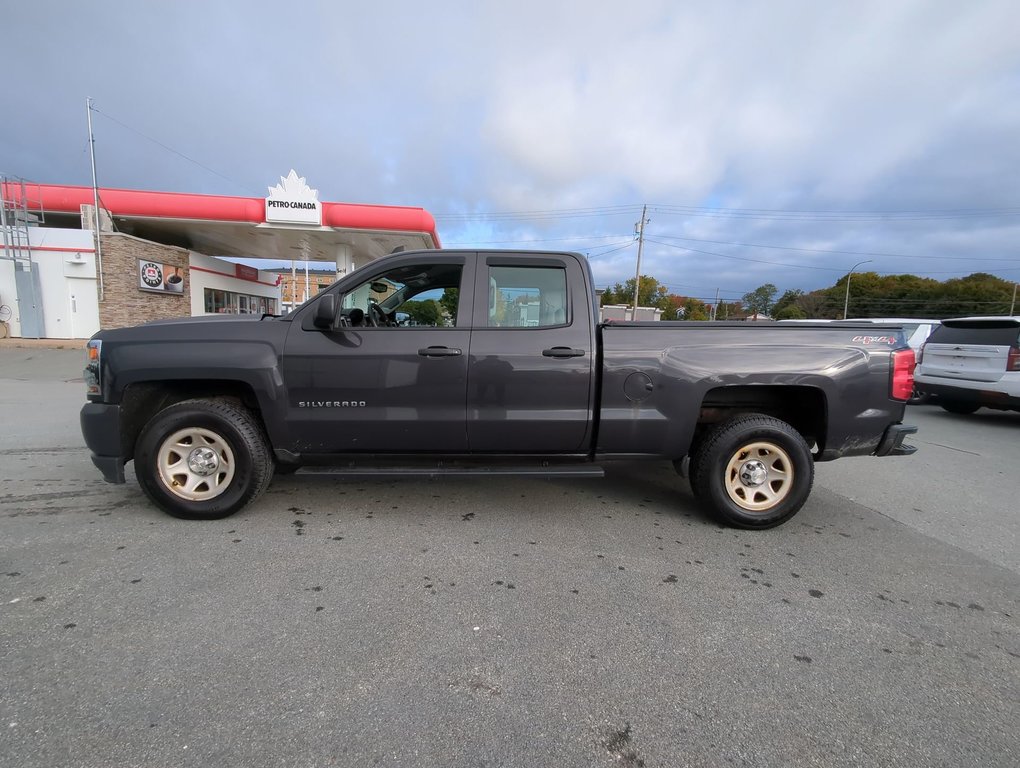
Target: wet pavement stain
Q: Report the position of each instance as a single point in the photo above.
(671, 579)
(805, 659)
(619, 747)
(815, 592)
(298, 524)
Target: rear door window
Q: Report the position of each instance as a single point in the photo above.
(527, 297)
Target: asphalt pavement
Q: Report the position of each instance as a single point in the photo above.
(505, 622)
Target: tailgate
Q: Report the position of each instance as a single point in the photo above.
(972, 361)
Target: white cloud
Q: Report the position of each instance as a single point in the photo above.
(525, 106)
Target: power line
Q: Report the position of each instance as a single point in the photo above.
(542, 240)
(836, 216)
(744, 258)
(170, 149)
(823, 250)
(564, 213)
(810, 266)
(619, 247)
(750, 213)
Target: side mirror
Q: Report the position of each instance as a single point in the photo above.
(325, 312)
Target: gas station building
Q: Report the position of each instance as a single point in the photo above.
(160, 255)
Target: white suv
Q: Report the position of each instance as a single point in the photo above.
(970, 362)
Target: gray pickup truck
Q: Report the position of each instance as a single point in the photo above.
(451, 362)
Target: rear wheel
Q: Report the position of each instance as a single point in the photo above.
(753, 471)
(203, 459)
(955, 406)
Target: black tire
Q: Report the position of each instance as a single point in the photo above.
(956, 406)
(778, 463)
(229, 465)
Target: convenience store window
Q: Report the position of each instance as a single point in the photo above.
(219, 302)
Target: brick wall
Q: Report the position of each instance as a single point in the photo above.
(124, 303)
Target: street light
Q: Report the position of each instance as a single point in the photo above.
(846, 302)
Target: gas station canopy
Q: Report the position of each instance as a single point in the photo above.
(290, 223)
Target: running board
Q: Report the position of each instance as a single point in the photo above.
(565, 470)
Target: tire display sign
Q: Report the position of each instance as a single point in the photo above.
(162, 278)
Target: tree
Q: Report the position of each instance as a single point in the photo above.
(448, 302)
(694, 309)
(652, 294)
(789, 312)
(788, 299)
(759, 301)
(426, 312)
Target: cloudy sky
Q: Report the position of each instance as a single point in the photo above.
(773, 141)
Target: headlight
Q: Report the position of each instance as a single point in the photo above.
(93, 351)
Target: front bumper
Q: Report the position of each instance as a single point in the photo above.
(892, 441)
(100, 426)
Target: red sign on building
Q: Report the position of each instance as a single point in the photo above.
(244, 272)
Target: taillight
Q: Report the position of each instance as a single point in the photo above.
(920, 354)
(1013, 361)
(902, 374)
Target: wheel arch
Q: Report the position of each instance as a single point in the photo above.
(142, 400)
(805, 408)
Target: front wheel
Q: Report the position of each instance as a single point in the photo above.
(753, 471)
(203, 459)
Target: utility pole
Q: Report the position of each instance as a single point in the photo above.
(846, 301)
(640, 228)
(95, 198)
(715, 307)
(1013, 305)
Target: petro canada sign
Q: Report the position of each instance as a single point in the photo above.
(292, 201)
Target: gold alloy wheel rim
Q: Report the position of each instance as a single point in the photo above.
(759, 476)
(195, 464)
